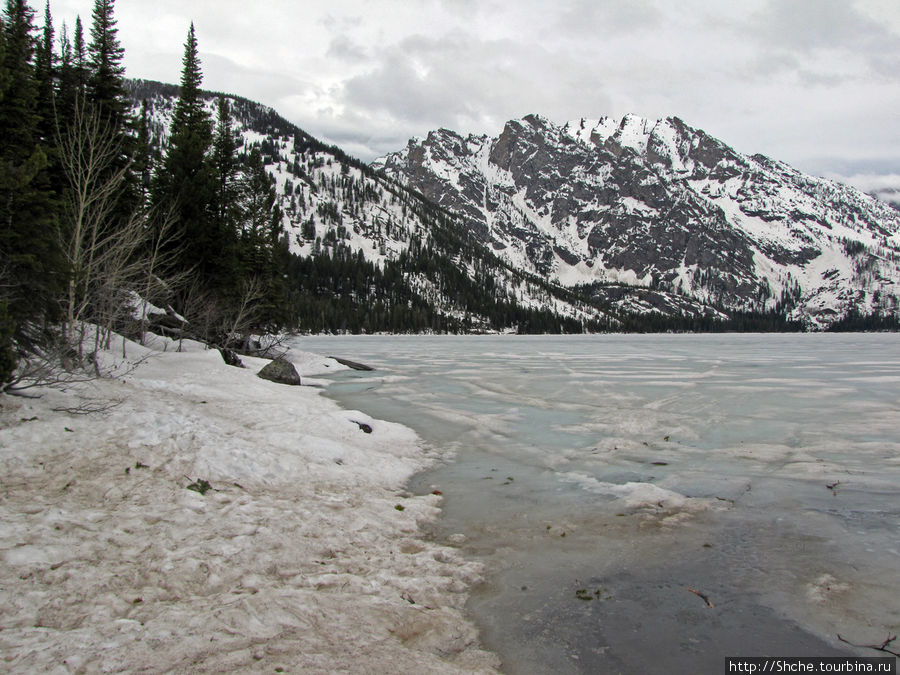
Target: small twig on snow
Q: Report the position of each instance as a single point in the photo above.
(881, 648)
(702, 596)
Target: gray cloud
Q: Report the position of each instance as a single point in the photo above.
(807, 25)
(467, 84)
(811, 28)
(223, 74)
(812, 82)
(344, 48)
(605, 18)
(340, 23)
(853, 167)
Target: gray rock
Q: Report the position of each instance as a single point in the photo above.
(280, 370)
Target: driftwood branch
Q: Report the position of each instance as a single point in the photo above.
(703, 597)
(883, 647)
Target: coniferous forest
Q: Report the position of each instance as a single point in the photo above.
(92, 219)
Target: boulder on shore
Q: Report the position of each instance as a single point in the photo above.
(280, 370)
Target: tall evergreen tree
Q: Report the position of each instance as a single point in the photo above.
(261, 223)
(106, 84)
(106, 92)
(18, 115)
(79, 56)
(185, 183)
(65, 88)
(7, 323)
(4, 71)
(190, 116)
(50, 117)
(45, 70)
(29, 258)
(262, 255)
(143, 155)
(226, 199)
(72, 73)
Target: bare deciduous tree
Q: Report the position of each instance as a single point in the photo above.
(222, 323)
(109, 257)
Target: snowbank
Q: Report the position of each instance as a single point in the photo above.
(305, 555)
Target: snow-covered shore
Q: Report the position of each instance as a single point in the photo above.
(306, 555)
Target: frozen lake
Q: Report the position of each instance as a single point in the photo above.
(613, 485)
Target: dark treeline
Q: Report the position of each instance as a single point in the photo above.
(734, 322)
(857, 322)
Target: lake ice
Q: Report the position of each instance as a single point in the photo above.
(614, 484)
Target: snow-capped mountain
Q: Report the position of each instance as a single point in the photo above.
(356, 222)
(661, 205)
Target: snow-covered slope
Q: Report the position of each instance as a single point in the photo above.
(326, 195)
(336, 205)
(663, 205)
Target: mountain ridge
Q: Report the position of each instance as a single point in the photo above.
(663, 205)
(399, 254)
(370, 253)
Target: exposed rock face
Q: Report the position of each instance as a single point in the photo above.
(664, 205)
(281, 371)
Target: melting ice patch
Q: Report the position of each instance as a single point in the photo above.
(636, 496)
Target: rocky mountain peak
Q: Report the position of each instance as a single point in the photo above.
(660, 203)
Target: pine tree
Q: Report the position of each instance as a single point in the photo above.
(65, 51)
(30, 267)
(191, 117)
(106, 83)
(143, 155)
(65, 94)
(45, 67)
(262, 216)
(79, 57)
(225, 167)
(185, 183)
(17, 117)
(263, 255)
(7, 323)
(105, 90)
(72, 74)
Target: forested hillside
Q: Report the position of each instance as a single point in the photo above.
(368, 254)
(187, 203)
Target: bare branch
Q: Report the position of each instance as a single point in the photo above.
(878, 647)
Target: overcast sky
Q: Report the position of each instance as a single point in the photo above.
(815, 83)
